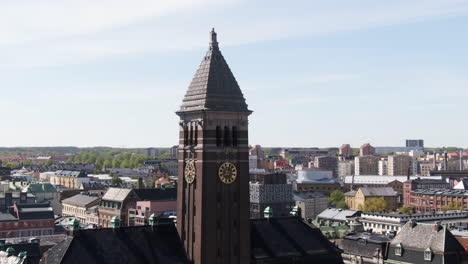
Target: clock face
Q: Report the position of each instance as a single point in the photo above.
(227, 173)
(190, 172)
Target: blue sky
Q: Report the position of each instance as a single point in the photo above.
(315, 73)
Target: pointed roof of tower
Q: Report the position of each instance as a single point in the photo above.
(214, 87)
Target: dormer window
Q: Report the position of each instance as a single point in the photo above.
(399, 250)
(428, 254)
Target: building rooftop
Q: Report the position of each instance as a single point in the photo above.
(159, 194)
(116, 194)
(80, 200)
(74, 174)
(381, 179)
(378, 191)
(132, 245)
(336, 214)
(421, 236)
(290, 237)
(214, 87)
(444, 192)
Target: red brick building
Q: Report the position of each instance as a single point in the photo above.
(27, 220)
(414, 184)
(428, 200)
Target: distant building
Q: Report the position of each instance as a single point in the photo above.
(78, 206)
(152, 152)
(69, 179)
(366, 165)
(428, 200)
(257, 150)
(425, 243)
(421, 183)
(271, 190)
(366, 149)
(425, 168)
(364, 248)
(174, 151)
(346, 151)
(253, 162)
(383, 167)
(165, 206)
(387, 222)
(46, 192)
(8, 199)
(327, 163)
(118, 202)
(337, 216)
(415, 143)
(399, 165)
(356, 199)
(345, 168)
(27, 220)
(311, 203)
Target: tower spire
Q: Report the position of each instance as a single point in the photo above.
(213, 39)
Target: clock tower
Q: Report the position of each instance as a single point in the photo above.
(213, 184)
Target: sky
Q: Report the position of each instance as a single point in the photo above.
(316, 73)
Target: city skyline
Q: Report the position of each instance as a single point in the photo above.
(330, 74)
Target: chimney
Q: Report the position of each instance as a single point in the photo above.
(437, 227)
(140, 183)
(434, 161)
(445, 160)
(412, 223)
(409, 173)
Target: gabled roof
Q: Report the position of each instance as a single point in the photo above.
(80, 200)
(132, 245)
(74, 174)
(422, 236)
(214, 87)
(116, 194)
(378, 191)
(41, 188)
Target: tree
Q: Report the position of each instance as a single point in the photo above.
(48, 162)
(452, 206)
(341, 204)
(107, 164)
(116, 181)
(405, 210)
(336, 196)
(374, 204)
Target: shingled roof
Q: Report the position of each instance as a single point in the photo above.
(214, 87)
(378, 191)
(80, 200)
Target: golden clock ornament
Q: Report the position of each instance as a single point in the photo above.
(190, 172)
(227, 173)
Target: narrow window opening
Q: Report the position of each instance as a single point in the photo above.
(234, 136)
(191, 135)
(196, 135)
(185, 135)
(227, 137)
(218, 136)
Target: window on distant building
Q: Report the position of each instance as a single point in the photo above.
(398, 250)
(427, 254)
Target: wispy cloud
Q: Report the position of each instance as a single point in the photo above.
(36, 33)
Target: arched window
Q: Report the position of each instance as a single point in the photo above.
(218, 136)
(234, 136)
(227, 138)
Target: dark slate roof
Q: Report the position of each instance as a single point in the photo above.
(167, 194)
(423, 236)
(35, 211)
(365, 244)
(80, 200)
(378, 191)
(290, 238)
(41, 188)
(136, 244)
(93, 186)
(214, 87)
(75, 174)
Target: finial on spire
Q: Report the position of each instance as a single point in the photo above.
(213, 39)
